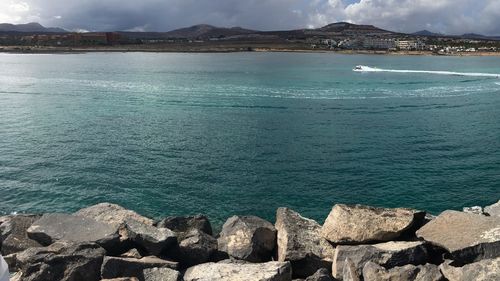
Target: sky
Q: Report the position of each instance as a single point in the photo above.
(444, 16)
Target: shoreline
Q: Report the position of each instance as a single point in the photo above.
(224, 49)
(106, 241)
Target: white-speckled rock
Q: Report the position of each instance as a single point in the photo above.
(493, 210)
(228, 271)
(485, 270)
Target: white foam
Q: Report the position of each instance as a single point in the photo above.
(364, 68)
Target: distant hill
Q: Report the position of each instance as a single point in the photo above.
(427, 33)
(204, 31)
(345, 28)
(479, 36)
(29, 27)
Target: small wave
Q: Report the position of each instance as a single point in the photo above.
(363, 68)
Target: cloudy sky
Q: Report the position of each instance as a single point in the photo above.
(446, 16)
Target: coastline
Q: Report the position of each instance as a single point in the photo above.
(106, 241)
(223, 49)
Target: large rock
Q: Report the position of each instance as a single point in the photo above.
(300, 242)
(197, 247)
(62, 261)
(427, 272)
(321, 275)
(114, 267)
(112, 214)
(227, 271)
(248, 238)
(161, 274)
(350, 271)
(122, 279)
(62, 227)
(389, 254)
(484, 270)
(14, 236)
(152, 239)
(467, 237)
(493, 210)
(362, 224)
(184, 225)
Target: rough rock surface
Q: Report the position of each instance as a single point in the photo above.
(478, 210)
(493, 210)
(227, 271)
(161, 274)
(122, 279)
(299, 241)
(13, 235)
(55, 227)
(349, 271)
(468, 237)
(112, 214)
(359, 224)
(248, 238)
(154, 240)
(484, 270)
(114, 267)
(389, 254)
(427, 272)
(132, 253)
(184, 225)
(321, 275)
(197, 247)
(61, 261)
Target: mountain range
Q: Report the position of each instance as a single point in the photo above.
(205, 31)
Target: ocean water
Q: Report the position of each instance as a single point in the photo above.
(246, 133)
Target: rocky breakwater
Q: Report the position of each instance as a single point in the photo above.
(109, 242)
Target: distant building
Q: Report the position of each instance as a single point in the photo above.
(379, 43)
(410, 45)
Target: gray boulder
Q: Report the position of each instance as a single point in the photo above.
(61, 261)
(228, 271)
(14, 236)
(359, 224)
(62, 227)
(248, 238)
(161, 274)
(349, 271)
(484, 270)
(197, 247)
(114, 267)
(427, 272)
(184, 225)
(299, 241)
(321, 275)
(467, 237)
(152, 239)
(112, 214)
(493, 210)
(389, 254)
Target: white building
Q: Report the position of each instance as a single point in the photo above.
(410, 45)
(379, 43)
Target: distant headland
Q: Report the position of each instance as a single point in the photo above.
(341, 37)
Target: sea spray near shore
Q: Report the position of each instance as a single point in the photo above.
(364, 68)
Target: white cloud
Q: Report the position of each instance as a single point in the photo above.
(13, 11)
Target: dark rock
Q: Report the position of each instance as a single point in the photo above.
(11, 261)
(62, 227)
(359, 224)
(184, 225)
(154, 240)
(112, 214)
(484, 270)
(299, 241)
(493, 210)
(14, 236)
(61, 261)
(248, 238)
(228, 271)
(161, 274)
(375, 272)
(114, 267)
(197, 247)
(467, 237)
(389, 254)
(321, 275)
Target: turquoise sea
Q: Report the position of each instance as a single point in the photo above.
(246, 133)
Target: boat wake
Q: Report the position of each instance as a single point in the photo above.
(363, 68)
